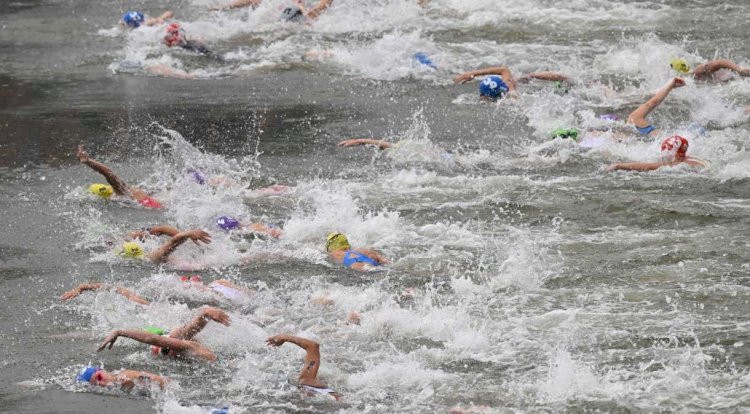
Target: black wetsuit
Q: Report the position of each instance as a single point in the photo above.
(196, 47)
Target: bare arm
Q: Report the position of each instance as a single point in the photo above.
(264, 229)
(188, 331)
(638, 117)
(120, 187)
(153, 21)
(167, 248)
(375, 255)
(708, 68)
(130, 295)
(547, 76)
(312, 357)
(160, 69)
(146, 338)
(129, 377)
(503, 71)
(636, 166)
(365, 141)
(316, 11)
(236, 4)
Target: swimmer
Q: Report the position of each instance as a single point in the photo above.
(674, 152)
(134, 250)
(116, 185)
(340, 251)
(493, 87)
(365, 141)
(709, 71)
(134, 19)
(229, 223)
(178, 343)
(197, 176)
(296, 12)
(176, 37)
(308, 381)
(637, 118)
(125, 379)
(220, 287)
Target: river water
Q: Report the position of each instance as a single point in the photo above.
(524, 277)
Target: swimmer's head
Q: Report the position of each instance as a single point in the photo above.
(571, 133)
(227, 223)
(492, 87)
(680, 65)
(195, 176)
(102, 190)
(609, 117)
(132, 250)
(175, 35)
(191, 279)
(336, 241)
(422, 58)
(674, 148)
(87, 373)
(292, 14)
(133, 19)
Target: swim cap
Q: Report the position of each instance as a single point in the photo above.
(133, 19)
(149, 202)
(424, 59)
(175, 33)
(674, 147)
(156, 331)
(680, 65)
(193, 279)
(227, 223)
(571, 133)
(132, 249)
(336, 241)
(493, 87)
(86, 374)
(102, 190)
(196, 176)
(291, 14)
(609, 117)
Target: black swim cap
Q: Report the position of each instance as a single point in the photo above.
(291, 14)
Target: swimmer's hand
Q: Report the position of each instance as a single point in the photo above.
(464, 77)
(276, 340)
(198, 235)
(678, 82)
(82, 155)
(216, 315)
(109, 340)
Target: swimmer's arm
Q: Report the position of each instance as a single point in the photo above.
(638, 117)
(317, 10)
(264, 229)
(167, 248)
(153, 21)
(119, 186)
(164, 230)
(503, 71)
(365, 141)
(146, 338)
(375, 255)
(312, 357)
(709, 68)
(141, 376)
(636, 166)
(236, 5)
(131, 296)
(546, 76)
(160, 69)
(188, 331)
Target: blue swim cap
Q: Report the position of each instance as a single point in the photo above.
(493, 87)
(86, 374)
(133, 19)
(227, 223)
(424, 59)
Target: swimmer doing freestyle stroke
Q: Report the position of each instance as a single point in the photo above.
(308, 377)
(339, 250)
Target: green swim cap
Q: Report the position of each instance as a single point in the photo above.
(156, 331)
(336, 241)
(571, 133)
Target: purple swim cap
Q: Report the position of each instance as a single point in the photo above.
(227, 223)
(196, 176)
(609, 117)
(86, 374)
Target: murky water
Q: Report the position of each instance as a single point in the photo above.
(524, 278)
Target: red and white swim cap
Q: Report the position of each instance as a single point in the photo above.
(674, 147)
(174, 34)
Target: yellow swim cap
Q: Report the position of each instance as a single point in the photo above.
(102, 190)
(680, 65)
(132, 250)
(336, 241)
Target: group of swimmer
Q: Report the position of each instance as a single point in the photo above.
(496, 83)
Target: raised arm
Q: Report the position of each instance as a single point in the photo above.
(316, 11)
(130, 295)
(312, 356)
(365, 141)
(707, 69)
(167, 248)
(236, 4)
(638, 117)
(503, 71)
(153, 21)
(119, 186)
(188, 331)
